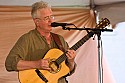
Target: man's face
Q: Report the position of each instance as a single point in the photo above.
(45, 19)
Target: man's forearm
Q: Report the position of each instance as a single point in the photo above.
(24, 65)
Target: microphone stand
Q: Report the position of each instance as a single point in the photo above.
(98, 32)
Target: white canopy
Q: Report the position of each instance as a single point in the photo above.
(111, 9)
(60, 2)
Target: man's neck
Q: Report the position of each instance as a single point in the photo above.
(46, 35)
(43, 33)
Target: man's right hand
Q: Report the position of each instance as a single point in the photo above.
(44, 64)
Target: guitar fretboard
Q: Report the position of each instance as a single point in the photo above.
(75, 47)
(82, 41)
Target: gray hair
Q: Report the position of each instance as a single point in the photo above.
(38, 5)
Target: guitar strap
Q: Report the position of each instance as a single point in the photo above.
(58, 42)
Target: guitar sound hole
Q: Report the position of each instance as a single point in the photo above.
(54, 66)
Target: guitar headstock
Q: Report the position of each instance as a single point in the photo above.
(103, 23)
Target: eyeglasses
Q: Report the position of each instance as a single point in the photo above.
(47, 18)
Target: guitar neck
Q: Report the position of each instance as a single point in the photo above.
(82, 41)
(101, 24)
(75, 47)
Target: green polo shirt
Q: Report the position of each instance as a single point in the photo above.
(30, 46)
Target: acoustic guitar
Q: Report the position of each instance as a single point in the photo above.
(57, 62)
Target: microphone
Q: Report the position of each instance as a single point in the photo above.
(55, 24)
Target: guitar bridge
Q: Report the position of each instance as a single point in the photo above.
(41, 76)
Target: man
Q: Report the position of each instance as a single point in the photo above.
(30, 49)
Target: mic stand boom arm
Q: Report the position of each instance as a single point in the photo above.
(93, 29)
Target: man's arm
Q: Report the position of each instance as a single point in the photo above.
(39, 64)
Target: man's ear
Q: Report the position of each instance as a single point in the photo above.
(36, 21)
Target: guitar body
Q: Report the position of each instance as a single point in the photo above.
(30, 76)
